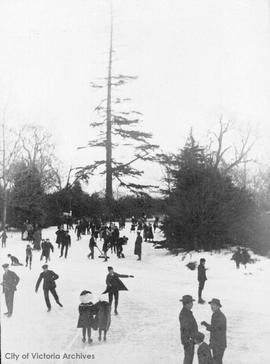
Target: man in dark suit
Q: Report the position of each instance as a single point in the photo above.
(203, 352)
(201, 278)
(217, 328)
(114, 285)
(65, 244)
(10, 281)
(188, 328)
(49, 285)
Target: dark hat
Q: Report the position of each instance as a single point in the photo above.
(83, 293)
(199, 337)
(5, 265)
(202, 260)
(215, 301)
(110, 268)
(187, 299)
(45, 266)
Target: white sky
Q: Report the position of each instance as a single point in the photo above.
(196, 60)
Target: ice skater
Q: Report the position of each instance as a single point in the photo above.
(138, 246)
(29, 256)
(65, 244)
(87, 311)
(10, 281)
(46, 247)
(49, 285)
(3, 238)
(92, 244)
(114, 285)
(14, 260)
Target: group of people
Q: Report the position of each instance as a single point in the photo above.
(142, 226)
(241, 256)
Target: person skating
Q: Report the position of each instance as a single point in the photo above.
(49, 285)
(237, 257)
(201, 279)
(60, 236)
(119, 246)
(29, 255)
(14, 260)
(46, 247)
(114, 285)
(10, 282)
(65, 244)
(92, 244)
(217, 328)
(188, 328)
(3, 238)
(204, 351)
(138, 246)
(87, 311)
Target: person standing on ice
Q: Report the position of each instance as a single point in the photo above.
(10, 281)
(188, 328)
(201, 278)
(3, 238)
(49, 285)
(28, 258)
(114, 285)
(65, 244)
(86, 315)
(138, 246)
(217, 328)
(46, 247)
(92, 244)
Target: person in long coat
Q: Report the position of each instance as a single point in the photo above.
(47, 247)
(217, 328)
(92, 244)
(188, 328)
(10, 282)
(201, 279)
(60, 236)
(37, 238)
(87, 311)
(65, 244)
(49, 285)
(114, 285)
(138, 246)
(3, 238)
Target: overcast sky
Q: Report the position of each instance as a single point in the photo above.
(195, 61)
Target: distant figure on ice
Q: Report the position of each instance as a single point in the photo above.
(156, 223)
(49, 285)
(138, 246)
(10, 281)
(60, 236)
(78, 230)
(14, 260)
(46, 247)
(37, 238)
(237, 257)
(188, 328)
(87, 311)
(65, 244)
(245, 257)
(119, 246)
(201, 278)
(92, 244)
(203, 352)
(217, 328)
(28, 258)
(3, 238)
(114, 285)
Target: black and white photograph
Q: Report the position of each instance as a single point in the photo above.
(135, 181)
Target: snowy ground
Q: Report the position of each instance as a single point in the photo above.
(147, 328)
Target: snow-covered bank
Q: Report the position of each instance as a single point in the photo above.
(147, 328)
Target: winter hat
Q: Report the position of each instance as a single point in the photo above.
(187, 299)
(86, 296)
(45, 266)
(215, 301)
(5, 265)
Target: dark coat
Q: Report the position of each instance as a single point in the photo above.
(103, 317)
(67, 240)
(60, 236)
(188, 326)
(114, 283)
(49, 278)
(201, 273)
(217, 330)
(204, 354)
(10, 281)
(138, 245)
(92, 242)
(87, 311)
(46, 248)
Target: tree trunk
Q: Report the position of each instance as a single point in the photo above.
(109, 191)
